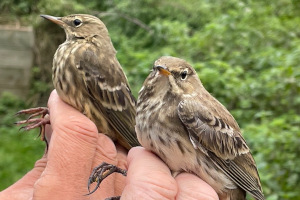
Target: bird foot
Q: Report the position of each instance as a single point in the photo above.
(114, 198)
(35, 122)
(100, 173)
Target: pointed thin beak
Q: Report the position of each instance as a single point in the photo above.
(163, 70)
(56, 20)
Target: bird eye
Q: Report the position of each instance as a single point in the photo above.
(77, 22)
(183, 75)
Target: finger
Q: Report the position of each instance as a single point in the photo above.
(192, 187)
(122, 163)
(48, 133)
(70, 154)
(64, 118)
(105, 152)
(23, 189)
(148, 177)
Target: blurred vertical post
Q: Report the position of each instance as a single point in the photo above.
(16, 59)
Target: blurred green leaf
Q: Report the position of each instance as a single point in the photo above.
(246, 53)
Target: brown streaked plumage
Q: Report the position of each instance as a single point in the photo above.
(88, 76)
(192, 131)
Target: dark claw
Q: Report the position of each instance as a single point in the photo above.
(113, 198)
(100, 173)
(97, 186)
(23, 127)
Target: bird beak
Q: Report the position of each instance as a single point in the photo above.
(163, 70)
(56, 20)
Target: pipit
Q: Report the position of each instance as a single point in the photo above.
(191, 131)
(88, 76)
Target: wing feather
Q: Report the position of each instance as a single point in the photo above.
(110, 94)
(225, 146)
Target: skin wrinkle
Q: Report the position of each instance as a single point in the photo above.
(52, 188)
(61, 165)
(188, 190)
(61, 133)
(147, 193)
(56, 171)
(159, 188)
(75, 139)
(64, 169)
(201, 124)
(104, 147)
(156, 191)
(89, 134)
(40, 164)
(76, 122)
(107, 152)
(78, 130)
(139, 194)
(122, 163)
(107, 148)
(162, 190)
(89, 61)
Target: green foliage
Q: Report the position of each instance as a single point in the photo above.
(19, 150)
(275, 143)
(246, 52)
(18, 7)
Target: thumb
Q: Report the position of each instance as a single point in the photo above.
(70, 155)
(23, 189)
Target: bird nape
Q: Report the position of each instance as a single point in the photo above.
(175, 116)
(87, 75)
(178, 118)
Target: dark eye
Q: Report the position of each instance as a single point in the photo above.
(77, 22)
(183, 75)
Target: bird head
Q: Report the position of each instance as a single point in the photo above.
(176, 75)
(80, 26)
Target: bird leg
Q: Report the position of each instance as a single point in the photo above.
(35, 122)
(114, 198)
(100, 173)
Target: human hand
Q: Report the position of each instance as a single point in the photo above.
(75, 148)
(148, 178)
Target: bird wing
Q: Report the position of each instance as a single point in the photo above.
(108, 87)
(225, 146)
